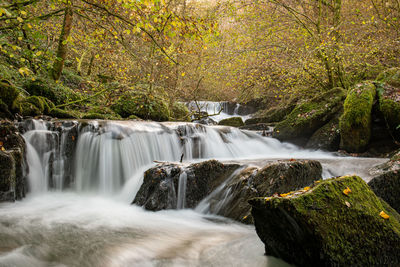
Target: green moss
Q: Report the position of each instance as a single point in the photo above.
(8, 93)
(56, 92)
(142, 104)
(180, 112)
(234, 122)
(273, 114)
(308, 117)
(355, 123)
(323, 226)
(92, 116)
(37, 101)
(390, 76)
(28, 109)
(133, 117)
(63, 114)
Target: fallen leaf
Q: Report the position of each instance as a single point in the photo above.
(384, 215)
(284, 195)
(307, 188)
(3, 149)
(347, 191)
(347, 204)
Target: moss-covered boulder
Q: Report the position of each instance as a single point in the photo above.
(63, 114)
(234, 122)
(180, 112)
(143, 104)
(56, 92)
(389, 106)
(308, 117)
(274, 114)
(337, 222)
(390, 76)
(327, 137)
(355, 123)
(8, 93)
(101, 113)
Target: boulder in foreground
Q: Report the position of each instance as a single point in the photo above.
(337, 222)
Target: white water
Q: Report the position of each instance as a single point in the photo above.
(215, 108)
(90, 222)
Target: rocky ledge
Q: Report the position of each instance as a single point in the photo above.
(221, 188)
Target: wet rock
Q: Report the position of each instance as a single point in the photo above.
(308, 117)
(355, 123)
(386, 184)
(222, 189)
(327, 137)
(337, 222)
(274, 178)
(389, 106)
(233, 122)
(13, 184)
(161, 184)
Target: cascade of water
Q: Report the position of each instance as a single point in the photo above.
(103, 157)
(181, 191)
(223, 110)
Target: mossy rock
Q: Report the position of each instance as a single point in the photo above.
(337, 222)
(389, 105)
(37, 101)
(28, 109)
(142, 104)
(233, 122)
(8, 93)
(134, 118)
(308, 117)
(274, 114)
(101, 112)
(63, 114)
(180, 112)
(355, 123)
(390, 76)
(56, 92)
(327, 137)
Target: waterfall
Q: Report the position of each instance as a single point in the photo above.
(223, 110)
(103, 157)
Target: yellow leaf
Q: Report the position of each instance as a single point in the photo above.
(307, 188)
(347, 191)
(3, 149)
(384, 215)
(23, 13)
(20, 19)
(284, 195)
(183, 74)
(20, 38)
(38, 53)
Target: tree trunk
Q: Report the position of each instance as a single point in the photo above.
(89, 71)
(62, 44)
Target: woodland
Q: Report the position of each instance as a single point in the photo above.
(92, 56)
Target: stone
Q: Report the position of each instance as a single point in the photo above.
(335, 222)
(355, 123)
(233, 122)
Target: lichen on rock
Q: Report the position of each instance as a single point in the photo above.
(336, 222)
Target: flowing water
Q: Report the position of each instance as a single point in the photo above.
(83, 176)
(218, 110)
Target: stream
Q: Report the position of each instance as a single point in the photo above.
(83, 176)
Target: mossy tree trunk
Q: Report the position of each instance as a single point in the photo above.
(62, 44)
